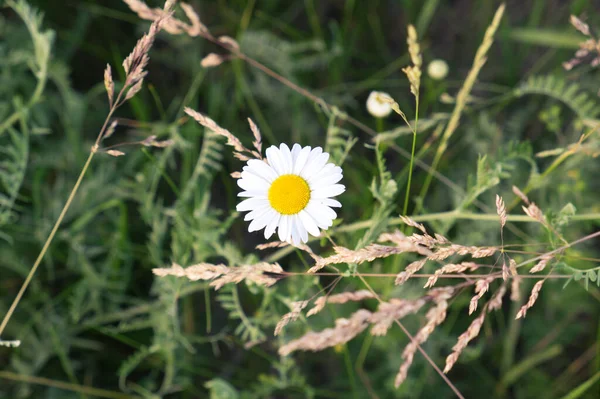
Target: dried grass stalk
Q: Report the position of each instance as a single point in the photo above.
(344, 331)
(435, 316)
(257, 143)
(240, 152)
(395, 309)
(408, 221)
(173, 26)
(410, 270)
(456, 249)
(448, 269)
(481, 287)
(221, 274)
(287, 318)
(368, 254)
(464, 340)
(532, 298)
(339, 299)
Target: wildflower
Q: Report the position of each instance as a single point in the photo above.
(379, 104)
(437, 69)
(292, 192)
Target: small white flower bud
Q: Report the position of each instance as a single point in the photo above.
(437, 69)
(377, 106)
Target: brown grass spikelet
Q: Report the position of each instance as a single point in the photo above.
(109, 84)
(464, 339)
(212, 60)
(450, 268)
(481, 287)
(505, 271)
(137, 60)
(520, 194)
(344, 297)
(408, 221)
(541, 265)
(456, 249)
(173, 26)
(515, 288)
(257, 143)
(586, 48)
(535, 292)
(435, 316)
(291, 316)
(413, 72)
(496, 302)
(240, 151)
(395, 309)
(344, 331)
(501, 210)
(580, 25)
(229, 42)
(367, 254)
(410, 270)
(115, 153)
(221, 274)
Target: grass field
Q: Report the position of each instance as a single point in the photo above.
(464, 261)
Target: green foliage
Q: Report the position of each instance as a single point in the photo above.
(569, 93)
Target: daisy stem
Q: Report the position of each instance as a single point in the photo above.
(412, 157)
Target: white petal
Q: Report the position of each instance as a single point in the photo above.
(272, 225)
(295, 152)
(301, 230)
(261, 221)
(326, 181)
(286, 156)
(263, 169)
(250, 182)
(283, 230)
(315, 165)
(309, 223)
(251, 204)
(330, 202)
(257, 213)
(320, 215)
(295, 234)
(275, 160)
(300, 161)
(328, 191)
(325, 171)
(256, 194)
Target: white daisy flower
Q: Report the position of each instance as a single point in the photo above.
(292, 192)
(437, 69)
(377, 106)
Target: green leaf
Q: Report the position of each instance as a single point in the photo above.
(221, 389)
(583, 388)
(546, 37)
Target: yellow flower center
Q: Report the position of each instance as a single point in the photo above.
(289, 194)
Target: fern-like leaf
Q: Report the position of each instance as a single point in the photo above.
(569, 93)
(14, 152)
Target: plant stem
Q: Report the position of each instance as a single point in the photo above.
(412, 158)
(38, 261)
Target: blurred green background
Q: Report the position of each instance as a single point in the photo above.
(95, 316)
